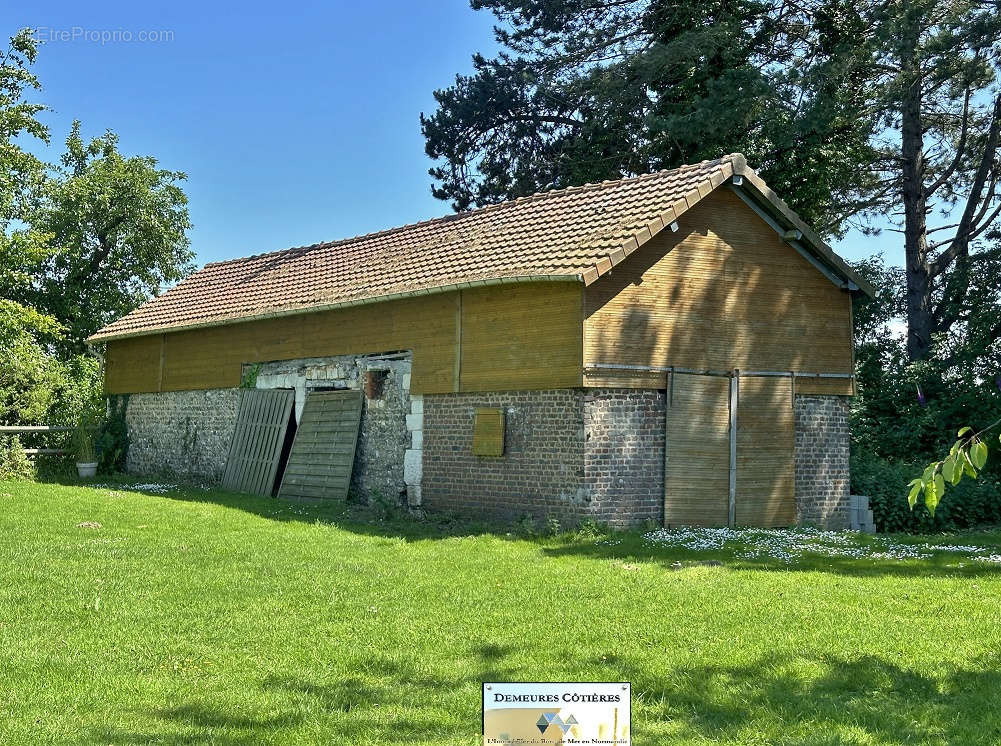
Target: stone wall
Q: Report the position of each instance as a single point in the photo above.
(541, 472)
(188, 433)
(384, 436)
(822, 476)
(624, 455)
(185, 433)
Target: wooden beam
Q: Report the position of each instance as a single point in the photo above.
(457, 373)
(163, 352)
(734, 398)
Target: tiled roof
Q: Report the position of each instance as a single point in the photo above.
(577, 233)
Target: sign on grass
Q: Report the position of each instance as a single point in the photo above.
(538, 713)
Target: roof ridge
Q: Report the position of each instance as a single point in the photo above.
(545, 194)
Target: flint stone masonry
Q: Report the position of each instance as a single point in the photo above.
(384, 436)
(188, 433)
(822, 477)
(185, 433)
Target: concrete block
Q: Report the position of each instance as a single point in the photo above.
(406, 382)
(415, 422)
(416, 438)
(412, 466)
(417, 404)
(413, 495)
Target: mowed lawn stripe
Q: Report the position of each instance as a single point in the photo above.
(207, 617)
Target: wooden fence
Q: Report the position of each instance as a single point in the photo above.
(19, 429)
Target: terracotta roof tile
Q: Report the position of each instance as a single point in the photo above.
(578, 233)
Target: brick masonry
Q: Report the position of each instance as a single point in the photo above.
(184, 433)
(822, 476)
(541, 473)
(624, 455)
(569, 454)
(599, 453)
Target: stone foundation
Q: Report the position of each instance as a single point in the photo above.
(822, 476)
(183, 433)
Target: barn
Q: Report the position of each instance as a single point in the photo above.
(674, 347)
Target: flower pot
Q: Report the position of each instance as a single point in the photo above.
(86, 471)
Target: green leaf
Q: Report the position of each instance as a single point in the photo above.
(978, 452)
(948, 467)
(934, 493)
(964, 431)
(968, 466)
(912, 497)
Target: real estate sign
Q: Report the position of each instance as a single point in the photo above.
(537, 713)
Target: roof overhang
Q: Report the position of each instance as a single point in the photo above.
(299, 311)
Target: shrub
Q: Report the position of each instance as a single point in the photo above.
(14, 462)
(113, 438)
(971, 503)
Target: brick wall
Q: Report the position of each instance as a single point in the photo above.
(541, 472)
(822, 477)
(569, 453)
(624, 455)
(186, 433)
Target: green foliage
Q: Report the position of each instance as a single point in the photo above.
(84, 435)
(116, 226)
(20, 171)
(886, 483)
(14, 462)
(249, 378)
(589, 91)
(30, 377)
(113, 437)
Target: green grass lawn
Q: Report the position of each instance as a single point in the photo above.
(199, 617)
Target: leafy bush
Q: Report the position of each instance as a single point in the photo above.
(971, 503)
(14, 462)
(113, 438)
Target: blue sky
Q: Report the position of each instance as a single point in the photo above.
(293, 127)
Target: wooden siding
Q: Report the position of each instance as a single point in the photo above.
(519, 337)
(697, 466)
(766, 439)
(132, 365)
(723, 292)
(508, 337)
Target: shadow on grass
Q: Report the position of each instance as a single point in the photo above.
(620, 546)
(390, 701)
(782, 699)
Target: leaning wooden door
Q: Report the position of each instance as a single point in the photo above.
(257, 440)
(697, 456)
(766, 442)
(323, 453)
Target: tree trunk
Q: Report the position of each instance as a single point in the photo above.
(919, 301)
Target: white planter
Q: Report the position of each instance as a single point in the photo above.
(86, 471)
